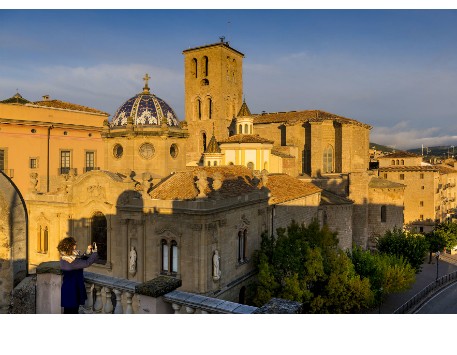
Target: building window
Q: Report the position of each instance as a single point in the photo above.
(398, 162)
(170, 256)
(402, 176)
(99, 235)
(33, 163)
(65, 161)
(402, 162)
(246, 129)
(421, 203)
(240, 129)
(215, 163)
(205, 66)
(421, 217)
(199, 109)
(421, 175)
(2, 159)
(90, 161)
(194, 68)
(422, 187)
(118, 151)
(242, 240)
(250, 165)
(421, 229)
(328, 159)
(393, 162)
(385, 175)
(383, 214)
(203, 142)
(210, 109)
(174, 151)
(42, 239)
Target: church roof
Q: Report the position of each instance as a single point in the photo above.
(293, 117)
(16, 99)
(246, 138)
(236, 181)
(378, 183)
(399, 154)
(68, 106)
(329, 198)
(145, 109)
(213, 146)
(285, 188)
(244, 110)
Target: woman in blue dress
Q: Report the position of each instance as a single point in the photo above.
(73, 292)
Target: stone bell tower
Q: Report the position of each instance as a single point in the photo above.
(213, 83)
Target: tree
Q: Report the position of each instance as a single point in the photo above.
(412, 247)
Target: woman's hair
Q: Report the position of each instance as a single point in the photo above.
(66, 245)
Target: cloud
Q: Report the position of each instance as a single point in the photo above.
(403, 136)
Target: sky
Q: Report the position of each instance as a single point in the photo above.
(395, 70)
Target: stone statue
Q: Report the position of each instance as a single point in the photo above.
(202, 183)
(216, 269)
(34, 181)
(132, 261)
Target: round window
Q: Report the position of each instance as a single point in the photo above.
(147, 150)
(174, 150)
(118, 151)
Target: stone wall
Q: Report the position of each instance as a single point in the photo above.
(13, 240)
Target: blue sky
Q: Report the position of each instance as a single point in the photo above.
(393, 69)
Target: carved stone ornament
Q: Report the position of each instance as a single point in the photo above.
(216, 266)
(217, 181)
(132, 261)
(33, 181)
(202, 183)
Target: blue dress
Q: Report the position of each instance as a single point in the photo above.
(73, 292)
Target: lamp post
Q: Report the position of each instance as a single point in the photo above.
(437, 256)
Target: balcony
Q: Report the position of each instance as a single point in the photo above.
(66, 170)
(90, 168)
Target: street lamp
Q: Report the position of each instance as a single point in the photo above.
(437, 256)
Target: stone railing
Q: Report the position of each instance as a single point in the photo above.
(110, 295)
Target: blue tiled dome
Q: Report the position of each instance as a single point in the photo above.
(145, 109)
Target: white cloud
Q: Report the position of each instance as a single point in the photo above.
(403, 136)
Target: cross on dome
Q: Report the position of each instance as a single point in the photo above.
(146, 87)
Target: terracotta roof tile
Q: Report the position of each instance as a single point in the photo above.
(68, 106)
(286, 188)
(246, 138)
(292, 117)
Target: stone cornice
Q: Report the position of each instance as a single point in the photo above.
(47, 124)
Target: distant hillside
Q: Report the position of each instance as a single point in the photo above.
(438, 151)
(381, 147)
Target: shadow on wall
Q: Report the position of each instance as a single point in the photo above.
(13, 239)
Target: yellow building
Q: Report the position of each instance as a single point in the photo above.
(41, 142)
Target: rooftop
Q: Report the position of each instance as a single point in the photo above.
(400, 154)
(68, 106)
(378, 183)
(293, 117)
(246, 138)
(285, 188)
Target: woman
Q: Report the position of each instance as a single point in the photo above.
(73, 292)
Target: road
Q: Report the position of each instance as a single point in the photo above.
(444, 302)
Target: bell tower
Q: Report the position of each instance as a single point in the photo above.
(213, 84)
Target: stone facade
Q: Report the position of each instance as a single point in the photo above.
(13, 240)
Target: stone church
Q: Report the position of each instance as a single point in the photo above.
(177, 197)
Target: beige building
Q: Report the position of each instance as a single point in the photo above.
(430, 189)
(41, 141)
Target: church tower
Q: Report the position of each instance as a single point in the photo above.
(213, 84)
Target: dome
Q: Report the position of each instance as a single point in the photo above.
(145, 109)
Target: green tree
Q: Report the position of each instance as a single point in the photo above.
(412, 247)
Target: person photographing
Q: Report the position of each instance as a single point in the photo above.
(72, 263)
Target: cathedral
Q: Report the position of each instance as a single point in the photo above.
(179, 196)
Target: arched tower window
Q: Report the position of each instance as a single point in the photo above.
(199, 109)
(246, 129)
(393, 162)
(98, 229)
(383, 214)
(328, 159)
(210, 108)
(402, 162)
(203, 141)
(398, 162)
(205, 66)
(194, 68)
(240, 129)
(242, 242)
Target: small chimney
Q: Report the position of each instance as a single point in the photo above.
(45, 97)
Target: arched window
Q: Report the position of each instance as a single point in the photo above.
(203, 141)
(246, 129)
(215, 163)
(210, 108)
(205, 66)
(209, 163)
(194, 68)
(383, 214)
(240, 129)
(242, 241)
(393, 162)
(328, 159)
(398, 162)
(250, 165)
(98, 229)
(170, 256)
(42, 239)
(402, 162)
(199, 109)
(251, 129)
